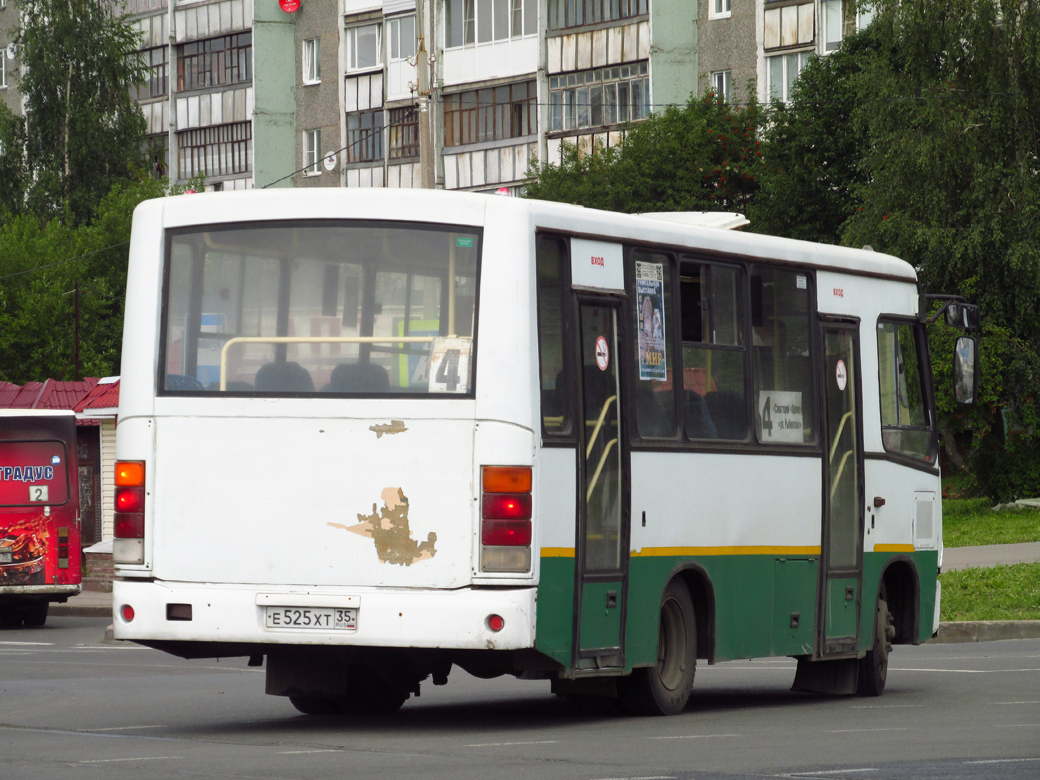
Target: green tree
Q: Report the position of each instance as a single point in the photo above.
(12, 161)
(83, 132)
(702, 156)
(813, 148)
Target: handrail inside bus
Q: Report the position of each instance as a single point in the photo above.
(599, 424)
(599, 468)
(837, 475)
(312, 340)
(837, 436)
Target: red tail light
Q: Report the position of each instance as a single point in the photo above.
(129, 525)
(129, 517)
(129, 499)
(505, 511)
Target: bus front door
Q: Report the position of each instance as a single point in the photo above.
(603, 486)
(842, 570)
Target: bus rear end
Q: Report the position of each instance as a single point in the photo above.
(40, 559)
(309, 466)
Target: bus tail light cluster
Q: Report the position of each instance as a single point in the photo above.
(505, 518)
(128, 545)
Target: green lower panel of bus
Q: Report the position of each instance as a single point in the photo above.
(764, 604)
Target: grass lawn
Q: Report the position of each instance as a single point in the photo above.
(972, 521)
(998, 593)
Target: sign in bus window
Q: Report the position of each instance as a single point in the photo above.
(654, 392)
(780, 356)
(308, 308)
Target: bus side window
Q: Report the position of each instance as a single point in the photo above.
(905, 428)
(712, 302)
(781, 355)
(654, 389)
(550, 257)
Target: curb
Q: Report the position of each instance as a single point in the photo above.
(986, 631)
(80, 610)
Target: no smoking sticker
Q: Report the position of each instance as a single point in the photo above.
(602, 354)
(841, 375)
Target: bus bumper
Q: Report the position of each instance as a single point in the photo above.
(385, 617)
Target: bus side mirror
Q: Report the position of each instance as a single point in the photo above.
(964, 316)
(965, 370)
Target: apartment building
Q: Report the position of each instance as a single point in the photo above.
(10, 63)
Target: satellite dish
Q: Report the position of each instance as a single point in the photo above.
(11, 51)
(330, 161)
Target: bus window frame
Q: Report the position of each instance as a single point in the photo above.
(568, 337)
(931, 465)
(65, 465)
(196, 300)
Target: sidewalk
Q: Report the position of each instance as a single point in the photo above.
(91, 603)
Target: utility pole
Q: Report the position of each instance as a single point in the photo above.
(422, 67)
(75, 338)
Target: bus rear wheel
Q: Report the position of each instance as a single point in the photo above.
(315, 705)
(664, 689)
(36, 615)
(873, 668)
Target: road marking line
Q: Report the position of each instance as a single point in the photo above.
(34, 644)
(114, 760)
(883, 706)
(1002, 760)
(856, 731)
(1018, 702)
(966, 671)
(127, 728)
(832, 772)
(652, 777)
(697, 736)
(1018, 725)
(511, 744)
(301, 752)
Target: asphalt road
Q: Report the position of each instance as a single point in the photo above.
(73, 707)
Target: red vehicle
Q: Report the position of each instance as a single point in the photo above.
(40, 558)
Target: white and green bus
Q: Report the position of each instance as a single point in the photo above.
(372, 435)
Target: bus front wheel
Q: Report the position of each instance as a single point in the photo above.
(664, 689)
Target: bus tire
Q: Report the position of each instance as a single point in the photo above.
(315, 705)
(873, 667)
(664, 689)
(369, 694)
(10, 617)
(36, 615)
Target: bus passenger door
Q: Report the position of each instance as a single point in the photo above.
(603, 492)
(842, 554)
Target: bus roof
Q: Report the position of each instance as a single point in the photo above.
(465, 208)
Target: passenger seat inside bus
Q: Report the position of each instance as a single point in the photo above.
(699, 423)
(358, 378)
(729, 414)
(284, 378)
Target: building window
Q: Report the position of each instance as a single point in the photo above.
(783, 70)
(155, 83)
(312, 152)
(402, 37)
(363, 47)
(575, 13)
(3, 70)
(404, 132)
(364, 137)
(833, 22)
(722, 85)
(484, 21)
(864, 15)
(593, 98)
(720, 9)
(223, 150)
(217, 62)
(312, 61)
(491, 114)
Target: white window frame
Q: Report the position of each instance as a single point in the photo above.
(3, 69)
(352, 47)
(722, 84)
(864, 15)
(312, 155)
(396, 52)
(800, 57)
(720, 9)
(828, 8)
(312, 61)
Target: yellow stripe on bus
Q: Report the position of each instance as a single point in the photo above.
(557, 552)
(648, 552)
(893, 548)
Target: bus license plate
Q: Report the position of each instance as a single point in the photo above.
(6, 556)
(319, 618)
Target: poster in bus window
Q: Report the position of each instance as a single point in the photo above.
(650, 318)
(449, 365)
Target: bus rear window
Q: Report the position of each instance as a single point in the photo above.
(320, 308)
(33, 473)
